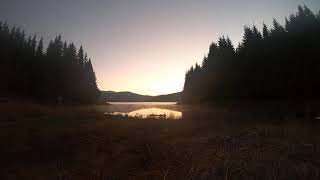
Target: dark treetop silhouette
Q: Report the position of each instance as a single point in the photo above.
(61, 73)
(281, 63)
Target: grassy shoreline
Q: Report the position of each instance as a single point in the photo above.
(222, 142)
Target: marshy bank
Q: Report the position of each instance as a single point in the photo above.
(209, 142)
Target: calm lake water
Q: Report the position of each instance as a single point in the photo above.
(143, 103)
(161, 110)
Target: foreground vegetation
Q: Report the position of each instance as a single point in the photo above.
(251, 141)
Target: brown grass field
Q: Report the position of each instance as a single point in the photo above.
(210, 142)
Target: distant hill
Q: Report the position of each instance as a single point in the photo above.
(125, 96)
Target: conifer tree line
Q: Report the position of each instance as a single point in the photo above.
(59, 73)
(280, 63)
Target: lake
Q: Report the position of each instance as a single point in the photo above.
(143, 103)
(144, 110)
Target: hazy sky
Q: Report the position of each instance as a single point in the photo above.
(144, 46)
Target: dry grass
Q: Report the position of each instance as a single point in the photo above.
(221, 142)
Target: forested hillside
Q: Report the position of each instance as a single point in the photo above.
(282, 62)
(125, 96)
(57, 73)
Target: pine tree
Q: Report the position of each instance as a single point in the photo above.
(265, 32)
(39, 51)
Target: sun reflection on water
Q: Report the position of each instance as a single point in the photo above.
(158, 113)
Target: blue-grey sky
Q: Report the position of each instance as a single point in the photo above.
(144, 46)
